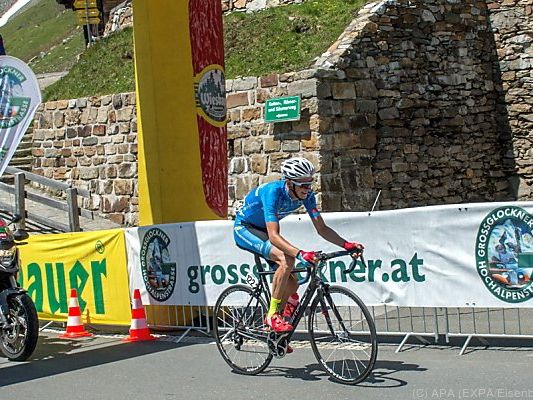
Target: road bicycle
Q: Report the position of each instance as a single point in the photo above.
(341, 330)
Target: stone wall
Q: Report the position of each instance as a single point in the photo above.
(405, 105)
(120, 17)
(256, 149)
(414, 101)
(512, 24)
(92, 143)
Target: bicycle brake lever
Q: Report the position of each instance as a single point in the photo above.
(320, 256)
(353, 264)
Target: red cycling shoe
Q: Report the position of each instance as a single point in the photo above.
(277, 324)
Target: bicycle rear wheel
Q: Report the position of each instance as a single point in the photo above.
(240, 331)
(343, 335)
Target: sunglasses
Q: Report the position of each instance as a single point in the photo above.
(305, 185)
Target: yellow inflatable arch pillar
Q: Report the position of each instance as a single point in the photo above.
(181, 110)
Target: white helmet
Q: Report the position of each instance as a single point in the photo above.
(296, 168)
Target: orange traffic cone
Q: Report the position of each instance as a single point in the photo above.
(75, 327)
(139, 328)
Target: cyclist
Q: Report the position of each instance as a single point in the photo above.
(257, 229)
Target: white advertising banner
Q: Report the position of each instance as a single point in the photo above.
(468, 255)
(19, 98)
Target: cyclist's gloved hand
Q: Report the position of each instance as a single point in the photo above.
(308, 258)
(356, 248)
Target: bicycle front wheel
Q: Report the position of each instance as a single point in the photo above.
(343, 335)
(240, 331)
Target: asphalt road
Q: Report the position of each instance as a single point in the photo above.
(105, 368)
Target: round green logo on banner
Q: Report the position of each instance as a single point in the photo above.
(159, 273)
(504, 253)
(13, 107)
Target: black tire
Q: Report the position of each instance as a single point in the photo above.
(242, 345)
(18, 343)
(338, 352)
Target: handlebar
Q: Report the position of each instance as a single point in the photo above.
(327, 256)
(321, 257)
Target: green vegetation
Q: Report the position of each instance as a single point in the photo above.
(275, 40)
(45, 27)
(106, 67)
(62, 57)
(284, 38)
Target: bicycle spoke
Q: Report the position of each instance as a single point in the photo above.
(345, 363)
(227, 334)
(240, 333)
(339, 342)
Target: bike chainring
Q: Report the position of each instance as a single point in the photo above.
(277, 344)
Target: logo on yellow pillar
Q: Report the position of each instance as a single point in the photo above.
(210, 92)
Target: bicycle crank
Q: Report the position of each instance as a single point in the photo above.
(277, 344)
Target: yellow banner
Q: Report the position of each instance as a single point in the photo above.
(94, 263)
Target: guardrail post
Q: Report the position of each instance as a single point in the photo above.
(20, 199)
(73, 210)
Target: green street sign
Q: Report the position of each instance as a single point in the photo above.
(282, 109)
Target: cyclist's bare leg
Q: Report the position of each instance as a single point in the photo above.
(282, 283)
(292, 287)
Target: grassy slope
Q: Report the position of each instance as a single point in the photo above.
(275, 40)
(61, 57)
(284, 38)
(106, 67)
(39, 28)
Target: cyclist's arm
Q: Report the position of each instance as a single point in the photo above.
(279, 241)
(322, 229)
(326, 232)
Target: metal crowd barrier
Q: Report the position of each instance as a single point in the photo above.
(468, 323)
(421, 323)
(485, 323)
(189, 318)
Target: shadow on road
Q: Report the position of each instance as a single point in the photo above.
(55, 356)
(379, 378)
(310, 372)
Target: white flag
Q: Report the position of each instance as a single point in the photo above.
(19, 98)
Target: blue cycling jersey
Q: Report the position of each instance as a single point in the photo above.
(271, 202)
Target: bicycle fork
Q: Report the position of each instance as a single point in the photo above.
(323, 296)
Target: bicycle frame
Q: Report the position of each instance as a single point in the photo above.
(316, 285)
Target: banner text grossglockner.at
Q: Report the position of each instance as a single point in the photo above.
(467, 255)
